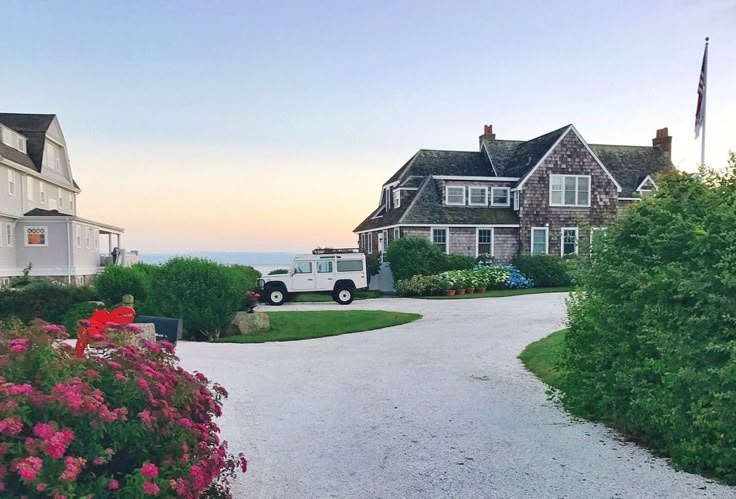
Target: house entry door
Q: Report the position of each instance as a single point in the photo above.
(380, 242)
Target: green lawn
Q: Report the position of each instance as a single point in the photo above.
(299, 325)
(361, 294)
(543, 356)
(499, 292)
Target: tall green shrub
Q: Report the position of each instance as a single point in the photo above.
(459, 262)
(204, 294)
(545, 270)
(651, 345)
(116, 281)
(414, 256)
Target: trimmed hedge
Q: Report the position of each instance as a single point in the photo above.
(43, 299)
(545, 270)
(116, 281)
(651, 344)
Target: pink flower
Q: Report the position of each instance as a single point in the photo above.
(98, 461)
(145, 416)
(109, 451)
(243, 463)
(92, 373)
(150, 488)
(113, 364)
(133, 328)
(73, 465)
(11, 425)
(43, 430)
(25, 388)
(53, 328)
(28, 468)
(56, 445)
(40, 486)
(113, 484)
(149, 470)
(19, 345)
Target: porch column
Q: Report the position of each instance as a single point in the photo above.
(118, 237)
(109, 243)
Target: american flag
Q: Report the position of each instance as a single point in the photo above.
(700, 110)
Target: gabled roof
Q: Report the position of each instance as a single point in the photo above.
(33, 127)
(631, 164)
(513, 158)
(434, 162)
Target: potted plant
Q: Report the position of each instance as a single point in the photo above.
(445, 284)
(460, 284)
(479, 283)
(469, 286)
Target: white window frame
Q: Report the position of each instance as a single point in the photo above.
(61, 199)
(517, 200)
(42, 192)
(483, 189)
(447, 195)
(79, 236)
(71, 202)
(508, 196)
(396, 199)
(11, 182)
(397, 233)
(96, 238)
(447, 237)
(562, 240)
(577, 191)
(87, 238)
(25, 236)
(9, 235)
(477, 240)
(546, 241)
(370, 243)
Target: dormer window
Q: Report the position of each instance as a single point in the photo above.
(478, 196)
(454, 196)
(397, 198)
(13, 139)
(500, 196)
(646, 186)
(52, 156)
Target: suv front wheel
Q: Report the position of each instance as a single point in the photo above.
(275, 295)
(343, 296)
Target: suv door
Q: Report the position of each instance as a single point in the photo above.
(303, 278)
(325, 275)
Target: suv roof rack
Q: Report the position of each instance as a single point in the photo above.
(334, 251)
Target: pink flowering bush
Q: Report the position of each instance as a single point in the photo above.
(118, 422)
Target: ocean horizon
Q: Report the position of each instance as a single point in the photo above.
(264, 262)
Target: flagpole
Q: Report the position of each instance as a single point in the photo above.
(705, 99)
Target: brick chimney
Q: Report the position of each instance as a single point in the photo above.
(663, 140)
(487, 134)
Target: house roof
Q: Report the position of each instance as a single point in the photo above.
(516, 158)
(631, 164)
(33, 127)
(426, 207)
(434, 162)
(40, 212)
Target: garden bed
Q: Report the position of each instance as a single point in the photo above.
(302, 325)
(499, 292)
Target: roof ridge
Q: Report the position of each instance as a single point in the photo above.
(622, 145)
(448, 150)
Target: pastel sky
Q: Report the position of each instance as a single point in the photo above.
(257, 126)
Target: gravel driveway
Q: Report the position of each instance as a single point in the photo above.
(437, 408)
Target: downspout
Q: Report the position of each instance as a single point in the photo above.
(69, 251)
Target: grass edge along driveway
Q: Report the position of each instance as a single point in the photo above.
(302, 325)
(543, 357)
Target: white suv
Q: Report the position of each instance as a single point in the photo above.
(339, 273)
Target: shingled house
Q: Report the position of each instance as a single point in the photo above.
(540, 196)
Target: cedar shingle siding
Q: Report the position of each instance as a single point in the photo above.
(511, 164)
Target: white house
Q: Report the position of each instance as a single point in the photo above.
(38, 207)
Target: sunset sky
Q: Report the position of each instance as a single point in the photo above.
(270, 126)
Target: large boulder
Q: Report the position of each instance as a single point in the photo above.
(247, 323)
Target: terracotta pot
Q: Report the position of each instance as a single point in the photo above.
(450, 292)
(480, 290)
(460, 291)
(469, 290)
